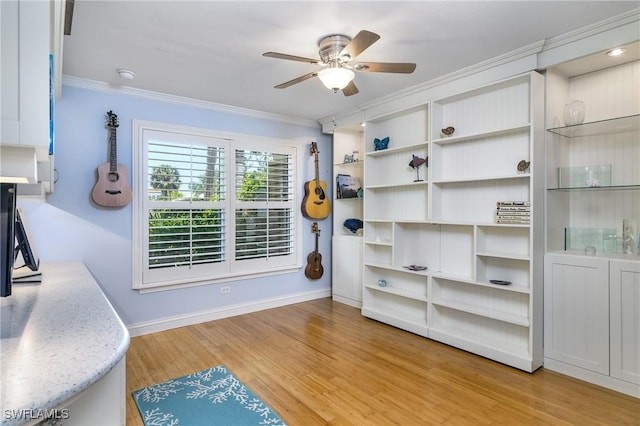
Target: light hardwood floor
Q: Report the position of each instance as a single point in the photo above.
(322, 363)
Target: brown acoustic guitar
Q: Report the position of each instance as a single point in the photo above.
(112, 187)
(314, 269)
(315, 204)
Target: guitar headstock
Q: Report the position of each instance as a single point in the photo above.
(112, 119)
(314, 228)
(314, 148)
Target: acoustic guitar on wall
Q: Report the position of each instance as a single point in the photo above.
(314, 268)
(112, 187)
(315, 204)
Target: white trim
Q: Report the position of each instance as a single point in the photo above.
(523, 52)
(99, 86)
(592, 377)
(541, 48)
(168, 323)
(614, 22)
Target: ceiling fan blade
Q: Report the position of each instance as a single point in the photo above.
(395, 67)
(350, 89)
(297, 80)
(359, 43)
(277, 55)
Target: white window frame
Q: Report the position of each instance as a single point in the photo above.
(144, 279)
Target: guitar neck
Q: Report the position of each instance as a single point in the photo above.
(316, 230)
(113, 150)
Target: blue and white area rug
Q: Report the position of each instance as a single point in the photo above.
(206, 398)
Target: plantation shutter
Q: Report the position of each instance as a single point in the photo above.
(186, 187)
(264, 204)
(211, 207)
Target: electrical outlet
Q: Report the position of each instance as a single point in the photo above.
(225, 289)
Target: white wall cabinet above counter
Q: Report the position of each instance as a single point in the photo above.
(27, 44)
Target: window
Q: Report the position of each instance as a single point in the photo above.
(210, 206)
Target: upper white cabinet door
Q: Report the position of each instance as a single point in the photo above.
(625, 320)
(576, 298)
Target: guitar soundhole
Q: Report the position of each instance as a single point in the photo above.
(113, 176)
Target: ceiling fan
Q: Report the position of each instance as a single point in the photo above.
(336, 52)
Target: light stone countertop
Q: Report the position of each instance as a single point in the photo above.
(58, 337)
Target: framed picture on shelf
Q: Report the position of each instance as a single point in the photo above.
(348, 186)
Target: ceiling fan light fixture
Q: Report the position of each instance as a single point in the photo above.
(336, 78)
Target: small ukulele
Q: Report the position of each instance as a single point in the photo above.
(315, 204)
(314, 269)
(112, 187)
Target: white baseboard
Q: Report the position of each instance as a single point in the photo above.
(618, 385)
(168, 323)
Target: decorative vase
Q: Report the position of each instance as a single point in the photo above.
(573, 113)
(629, 235)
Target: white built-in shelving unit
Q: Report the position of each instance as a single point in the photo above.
(496, 127)
(396, 220)
(346, 246)
(592, 286)
(446, 221)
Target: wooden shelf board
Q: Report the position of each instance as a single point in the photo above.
(487, 313)
(397, 292)
(475, 136)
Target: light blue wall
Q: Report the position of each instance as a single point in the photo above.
(71, 227)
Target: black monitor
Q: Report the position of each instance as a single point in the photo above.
(7, 236)
(25, 243)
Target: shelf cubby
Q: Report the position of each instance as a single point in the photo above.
(491, 302)
(400, 311)
(417, 244)
(503, 241)
(381, 254)
(379, 232)
(490, 337)
(475, 201)
(474, 158)
(412, 286)
(407, 202)
(486, 110)
(407, 128)
(456, 250)
(394, 169)
(503, 269)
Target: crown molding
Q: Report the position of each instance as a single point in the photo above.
(100, 86)
(615, 22)
(514, 55)
(612, 23)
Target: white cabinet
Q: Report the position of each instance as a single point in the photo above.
(26, 37)
(347, 204)
(576, 298)
(624, 286)
(347, 270)
(592, 320)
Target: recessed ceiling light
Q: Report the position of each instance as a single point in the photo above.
(615, 52)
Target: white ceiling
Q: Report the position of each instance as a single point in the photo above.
(212, 50)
